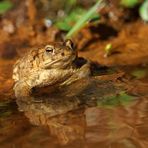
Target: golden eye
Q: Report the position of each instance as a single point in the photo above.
(49, 49)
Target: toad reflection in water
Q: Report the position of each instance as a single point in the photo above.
(107, 127)
(63, 111)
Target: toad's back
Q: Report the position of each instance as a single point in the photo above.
(27, 64)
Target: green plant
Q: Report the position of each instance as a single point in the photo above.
(5, 6)
(143, 11)
(85, 17)
(108, 49)
(129, 3)
(68, 22)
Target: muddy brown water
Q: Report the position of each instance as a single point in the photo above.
(78, 116)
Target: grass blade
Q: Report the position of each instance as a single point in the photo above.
(82, 21)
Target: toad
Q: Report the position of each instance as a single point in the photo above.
(53, 64)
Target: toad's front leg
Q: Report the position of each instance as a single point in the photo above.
(22, 89)
(80, 73)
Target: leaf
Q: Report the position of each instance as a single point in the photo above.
(143, 11)
(5, 6)
(63, 26)
(67, 22)
(129, 3)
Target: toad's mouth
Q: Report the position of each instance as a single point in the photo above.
(66, 60)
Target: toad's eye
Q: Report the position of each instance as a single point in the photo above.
(49, 49)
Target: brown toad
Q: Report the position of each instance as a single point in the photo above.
(54, 64)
